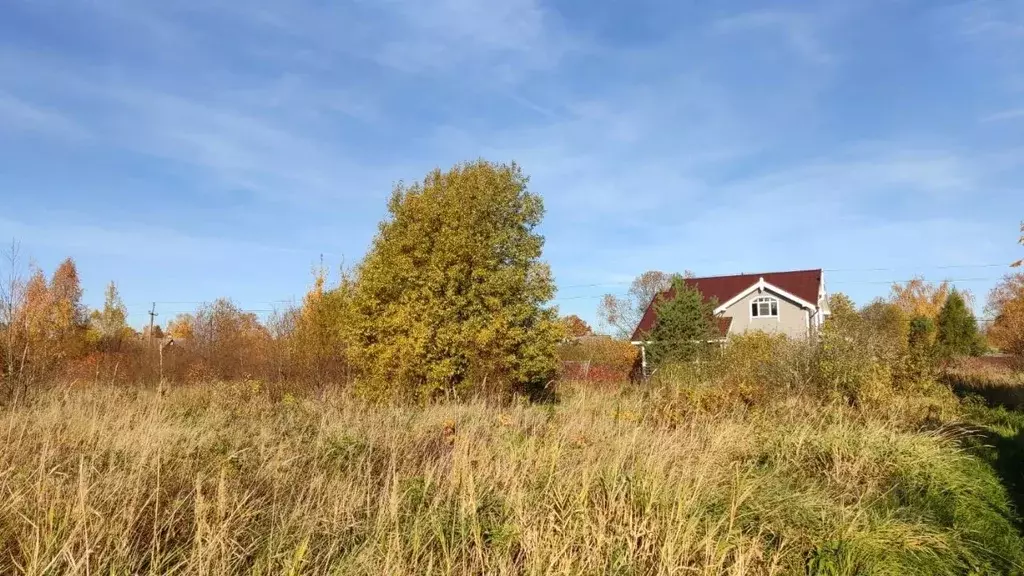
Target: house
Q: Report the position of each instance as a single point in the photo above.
(793, 303)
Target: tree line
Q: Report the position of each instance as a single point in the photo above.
(451, 299)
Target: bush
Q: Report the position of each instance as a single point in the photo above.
(598, 359)
(764, 366)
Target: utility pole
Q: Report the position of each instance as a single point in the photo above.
(152, 315)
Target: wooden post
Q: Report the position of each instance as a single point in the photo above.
(643, 359)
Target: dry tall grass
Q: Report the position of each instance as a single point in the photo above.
(997, 379)
(227, 480)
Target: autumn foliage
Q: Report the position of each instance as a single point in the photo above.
(574, 327)
(598, 359)
(1006, 307)
(917, 297)
(451, 300)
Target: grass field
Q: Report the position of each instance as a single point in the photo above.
(229, 479)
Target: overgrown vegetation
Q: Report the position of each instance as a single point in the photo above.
(242, 479)
(389, 424)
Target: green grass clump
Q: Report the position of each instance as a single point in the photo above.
(226, 480)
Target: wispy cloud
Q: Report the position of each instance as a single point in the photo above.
(268, 140)
(721, 144)
(1013, 114)
(999, 20)
(798, 29)
(873, 206)
(516, 35)
(20, 115)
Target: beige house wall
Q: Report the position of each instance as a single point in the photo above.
(792, 320)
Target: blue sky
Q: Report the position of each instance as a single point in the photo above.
(204, 148)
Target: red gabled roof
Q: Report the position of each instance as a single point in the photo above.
(803, 284)
(723, 325)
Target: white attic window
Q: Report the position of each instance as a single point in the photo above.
(764, 307)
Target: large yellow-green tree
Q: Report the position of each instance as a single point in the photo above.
(451, 298)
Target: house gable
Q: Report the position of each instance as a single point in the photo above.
(792, 317)
(799, 287)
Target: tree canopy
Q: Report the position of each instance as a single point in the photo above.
(452, 294)
(574, 326)
(623, 313)
(110, 323)
(1006, 307)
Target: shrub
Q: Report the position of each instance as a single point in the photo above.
(600, 359)
(921, 350)
(765, 366)
(847, 365)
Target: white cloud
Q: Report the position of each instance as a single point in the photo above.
(1013, 114)
(20, 115)
(798, 29)
(873, 205)
(448, 33)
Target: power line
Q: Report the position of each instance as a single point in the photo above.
(830, 283)
(197, 302)
(904, 281)
(890, 269)
(602, 284)
(947, 267)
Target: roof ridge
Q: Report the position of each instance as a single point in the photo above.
(754, 274)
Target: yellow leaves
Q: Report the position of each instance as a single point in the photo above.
(66, 293)
(182, 327)
(47, 323)
(1006, 305)
(574, 326)
(1007, 331)
(34, 311)
(450, 295)
(918, 297)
